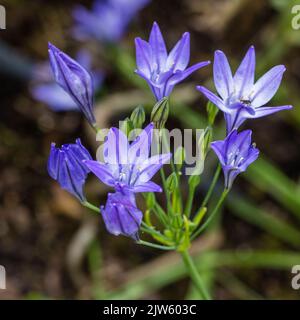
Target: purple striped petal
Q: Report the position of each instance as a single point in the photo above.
(213, 98)
(158, 45)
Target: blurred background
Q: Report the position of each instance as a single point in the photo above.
(51, 247)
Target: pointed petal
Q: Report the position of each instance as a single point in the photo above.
(244, 76)
(147, 187)
(143, 57)
(218, 148)
(101, 171)
(213, 98)
(222, 75)
(151, 166)
(179, 56)
(181, 75)
(158, 46)
(53, 161)
(115, 148)
(140, 147)
(265, 111)
(265, 87)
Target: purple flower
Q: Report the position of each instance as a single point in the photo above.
(241, 98)
(107, 21)
(66, 167)
(47, 91)
(128, 166)
(161, 70)
(121, 216)
(75, 80)
(235, 154)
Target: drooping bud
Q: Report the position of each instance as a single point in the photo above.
(138, 117)
(160, 113)
(75, 80)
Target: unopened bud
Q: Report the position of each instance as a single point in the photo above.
(138, 117)
(160, 113)
(179, 157)
(172, 182)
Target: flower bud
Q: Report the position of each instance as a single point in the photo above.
(126, 126)
(172, 182)
(179, 157)
(138, 117)
(75, 80)
(160, 113)
(212, 112)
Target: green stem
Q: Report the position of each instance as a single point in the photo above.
(189, 203)
(212, 215)
(91, 206)
(194, 274)
(154, 245)
(211, 187)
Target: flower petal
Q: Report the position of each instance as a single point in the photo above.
(265, 111)
(265, 87)
(149, 168)
(140, 147)
(181, 75)
(244, 76)
(222, 75)
(115, 147)
(147, 187)
(213, 98)
(179, 56)
(158, 46)
(143, 57)
(101, 170)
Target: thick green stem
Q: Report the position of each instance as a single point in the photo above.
(212, 215)
(194, 274)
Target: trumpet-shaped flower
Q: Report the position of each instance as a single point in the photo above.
(121, 216)
(161, 70)
(235, 154)
(241, 98)
(128, 166)
(107, 20)
(66, 167)
(75, 80)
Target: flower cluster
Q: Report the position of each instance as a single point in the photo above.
(127, 167)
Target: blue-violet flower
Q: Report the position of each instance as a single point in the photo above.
(241, 98)
(128, 166)
(66, 167)
(235, 154)
(161, 70)
(121, 216)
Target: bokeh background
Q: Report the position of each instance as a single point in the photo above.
(53, 248)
